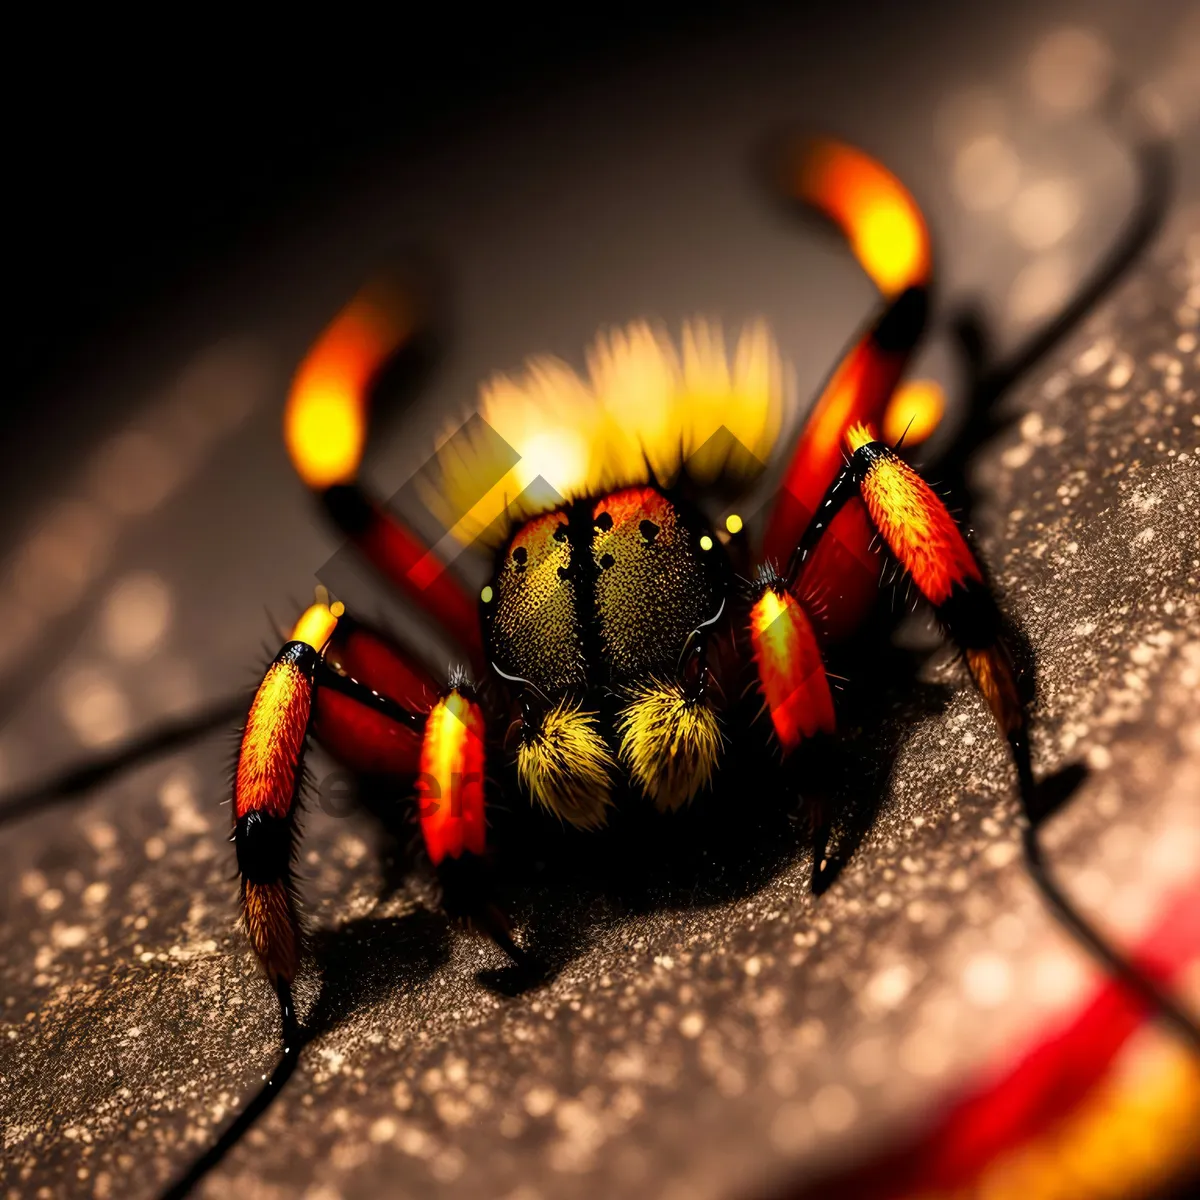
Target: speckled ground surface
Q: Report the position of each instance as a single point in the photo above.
(710, 1027)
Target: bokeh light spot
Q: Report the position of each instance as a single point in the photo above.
(67, 550)
(136, 615)
(94, 707)
(1070, 70)
(986, 173)
(1044, 213)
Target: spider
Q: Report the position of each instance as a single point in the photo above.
(641, 629)
(627, 605)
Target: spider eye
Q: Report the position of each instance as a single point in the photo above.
(604, 522)
(487, 594)
(648, 530)
(520, 556)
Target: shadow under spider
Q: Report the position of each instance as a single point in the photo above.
(564, 886)
(364, 961)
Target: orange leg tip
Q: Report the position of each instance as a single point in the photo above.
(325, 419)
(790, 670)
(992, 671)
(878, 215)
(450, 786)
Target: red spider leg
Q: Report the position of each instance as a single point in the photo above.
(885, 229)
(266, 795)
(299, 692)
(325, 425)
(791, 673)
(294, 693)
(926, 541)
(358, 731)
(380, 713)
(450, 790)
(924, 538)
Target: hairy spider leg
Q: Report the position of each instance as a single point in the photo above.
(885, 229)
(791, 672)
(298, 690)
(925, 539)
(923, 536)
(266, 794)
(325, 428)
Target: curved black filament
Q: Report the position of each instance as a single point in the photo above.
(293, 1043)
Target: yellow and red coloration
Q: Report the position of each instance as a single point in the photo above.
(265, 789)
(647, 406)
(889, 237)
(451, 783)
(325, 421)
(633, 505)
(1067, 1117)
(273, 740)
(325, 429)
(264, 796)
(880, 219)
(790, 671)
(914, 522)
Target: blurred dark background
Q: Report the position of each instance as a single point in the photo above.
(146, 161)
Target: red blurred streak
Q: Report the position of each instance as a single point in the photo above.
(360, 737)
(844, 570)
(1049, 1078)
(790, 671)
(401, 556)
(374, 659)
(451, 785)
(366, 741)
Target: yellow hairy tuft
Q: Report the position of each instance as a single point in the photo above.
(669, 744)
(643, 405)
(566, 766)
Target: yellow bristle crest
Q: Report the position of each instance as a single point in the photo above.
(643, 402)
(670, 744)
